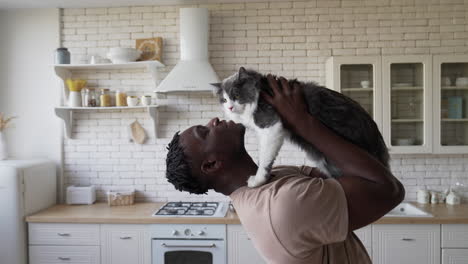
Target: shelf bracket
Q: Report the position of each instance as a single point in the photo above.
(67, 116)
(153, 112)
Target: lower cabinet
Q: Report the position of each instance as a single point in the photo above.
(240, 249)
(454, 244)
(126, 243)
(64, 254)
(365, 235)
(406, 244)
(454, 255)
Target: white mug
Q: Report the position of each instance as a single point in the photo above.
(145, 100)
(365, 84)
(132, 100)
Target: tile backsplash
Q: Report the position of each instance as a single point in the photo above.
(290, 38)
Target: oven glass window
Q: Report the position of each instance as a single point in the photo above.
(188, 257)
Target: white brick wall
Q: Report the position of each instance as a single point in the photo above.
(292, 39)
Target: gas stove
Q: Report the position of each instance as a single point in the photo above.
(192, 209)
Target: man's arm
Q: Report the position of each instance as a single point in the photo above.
(371, 189)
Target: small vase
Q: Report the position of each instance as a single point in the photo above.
(3, 147)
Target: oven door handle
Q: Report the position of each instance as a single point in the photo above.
(181, 246)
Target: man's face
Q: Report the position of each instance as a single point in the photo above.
(220, 138)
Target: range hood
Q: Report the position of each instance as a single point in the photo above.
(193, 72)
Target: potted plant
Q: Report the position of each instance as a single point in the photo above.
(4, 121)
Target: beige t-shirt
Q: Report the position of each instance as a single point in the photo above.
(298, 219)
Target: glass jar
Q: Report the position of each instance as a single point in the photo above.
(62, 56)
(120, 98)
(91, 98)
(105, 98)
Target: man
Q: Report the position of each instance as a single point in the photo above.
(299, 216)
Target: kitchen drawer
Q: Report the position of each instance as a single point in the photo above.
(63, 234)
(454, 256)
(64, 254)
(454, 236)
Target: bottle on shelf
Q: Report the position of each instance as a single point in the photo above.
(120, 98)
(105, 98)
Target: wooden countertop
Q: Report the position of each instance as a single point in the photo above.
(140, 213)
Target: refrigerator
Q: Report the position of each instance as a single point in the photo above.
(26, 186)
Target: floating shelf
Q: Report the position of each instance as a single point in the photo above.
(407, 120)
(66, 114)
(454, 119)
(183, 91)
(357, 89)
(407, 88)
(455, 88)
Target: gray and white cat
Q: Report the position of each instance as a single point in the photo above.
(240, 97)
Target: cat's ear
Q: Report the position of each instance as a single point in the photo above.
(242, 73)
(217, 87)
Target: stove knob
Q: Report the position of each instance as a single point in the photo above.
(187, 232)
(175, 232)
(201, 233)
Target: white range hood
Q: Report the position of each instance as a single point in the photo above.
(193, 72)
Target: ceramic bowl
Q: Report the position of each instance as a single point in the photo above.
(123, 55)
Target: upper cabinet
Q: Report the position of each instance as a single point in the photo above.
(360, 79)
(407, 103)
(450, 101)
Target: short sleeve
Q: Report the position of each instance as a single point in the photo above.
(308, 213)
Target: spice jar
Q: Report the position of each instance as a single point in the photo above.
(91, 98)
(62, 56)
(120, 98)
(105, 98)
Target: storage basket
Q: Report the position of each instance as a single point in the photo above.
(118, 198)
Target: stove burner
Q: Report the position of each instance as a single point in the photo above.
(188, 208)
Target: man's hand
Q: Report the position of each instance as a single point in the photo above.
(288, 101)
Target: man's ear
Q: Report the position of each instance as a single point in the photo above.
(211, 166)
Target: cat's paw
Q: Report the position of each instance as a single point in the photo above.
(256, 180)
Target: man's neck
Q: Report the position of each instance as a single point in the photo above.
(238, 174)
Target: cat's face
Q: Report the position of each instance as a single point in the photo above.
(238, 90)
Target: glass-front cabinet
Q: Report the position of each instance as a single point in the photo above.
(360, 79)
(407, 104)
(450, 103)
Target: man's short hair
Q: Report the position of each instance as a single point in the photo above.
(178, 169)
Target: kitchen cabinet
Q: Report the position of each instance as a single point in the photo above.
(240, 249)
(406, 244)
(454, 244)
(125, 244)
(407, 103)
(365, 235)
(455, 256)
(64, 243)
(450, 102)
(64, 254)
(360, 79)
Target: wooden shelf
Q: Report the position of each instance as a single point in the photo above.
(463, 88)
(357, 89)
(407, 120)
(454, 119)
(407, 88)
(110, 66)
(66, 114)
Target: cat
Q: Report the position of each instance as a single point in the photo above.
(240, 97)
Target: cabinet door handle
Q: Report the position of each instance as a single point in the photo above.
(193, 246)
(126, 237)
(63, 234)
(63, 258)
(407, 239)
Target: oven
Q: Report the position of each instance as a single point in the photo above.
(188, 244)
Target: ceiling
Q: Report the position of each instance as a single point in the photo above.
(5, 4)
